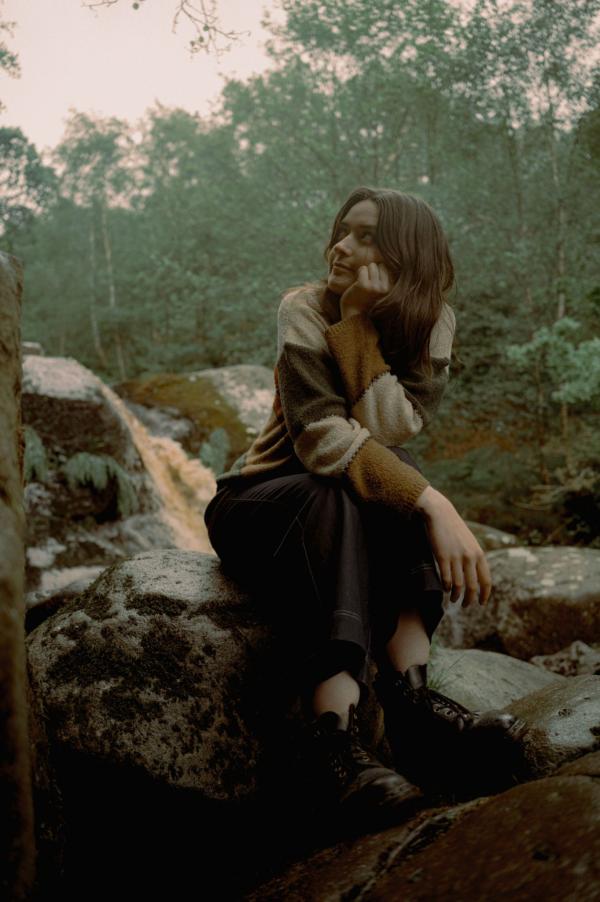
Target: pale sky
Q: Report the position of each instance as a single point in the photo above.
(117, 61)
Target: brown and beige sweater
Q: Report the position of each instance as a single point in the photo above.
(338, 407)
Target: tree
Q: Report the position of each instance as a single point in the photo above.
(95, 173)
(9, 61)
(27, 186)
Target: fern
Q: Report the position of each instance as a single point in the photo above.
(36, 462)
(213, 452)
(98, 470)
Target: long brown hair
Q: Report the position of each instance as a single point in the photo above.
(415, 250)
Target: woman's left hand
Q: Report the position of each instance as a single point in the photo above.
(373, 282)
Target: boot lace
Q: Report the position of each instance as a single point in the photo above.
(448, 707)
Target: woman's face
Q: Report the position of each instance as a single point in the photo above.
(355, 246)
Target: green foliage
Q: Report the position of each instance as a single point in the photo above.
(574, 369)
(97, 470)
(487, 469)
(35, 465)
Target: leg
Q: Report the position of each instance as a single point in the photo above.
(406, 597)
(304, 535)
(410, 643)
(336, 694)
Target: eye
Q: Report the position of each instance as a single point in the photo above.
(367, 235)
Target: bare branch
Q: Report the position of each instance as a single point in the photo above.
(204, 18)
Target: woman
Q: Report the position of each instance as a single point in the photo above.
(330, 518)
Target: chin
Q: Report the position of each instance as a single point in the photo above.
(338, 284)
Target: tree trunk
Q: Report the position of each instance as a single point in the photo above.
(540, 406)
(17, 852)
(112, 297)
(560, 267)
(96, 338)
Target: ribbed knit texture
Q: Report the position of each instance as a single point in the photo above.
(337, 405)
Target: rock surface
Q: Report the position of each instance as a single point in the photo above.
(543, 599)
(67, 406)
(537, 840)
(154, 667)
(564, 723)
(484, 680)
(574, 660)
(490, 538)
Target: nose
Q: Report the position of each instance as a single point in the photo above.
(340, 248)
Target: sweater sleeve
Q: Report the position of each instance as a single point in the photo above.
(327, 440)
(392, 409)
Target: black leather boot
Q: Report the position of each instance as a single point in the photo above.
(433, 737)
(345, 780)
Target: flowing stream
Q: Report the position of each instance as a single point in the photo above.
(182, 487)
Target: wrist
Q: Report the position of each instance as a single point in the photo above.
(430, 501)
(348, 310)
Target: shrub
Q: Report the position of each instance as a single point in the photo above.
(98, 470)
(35, 465)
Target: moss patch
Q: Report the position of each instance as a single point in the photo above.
(156, 604)
(164, 665)
(166, 659)
(90, 661)
(121, 705)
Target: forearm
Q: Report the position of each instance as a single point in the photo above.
(376, 398)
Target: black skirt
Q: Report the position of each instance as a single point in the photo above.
(333, 572)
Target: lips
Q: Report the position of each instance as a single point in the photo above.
(341, 266)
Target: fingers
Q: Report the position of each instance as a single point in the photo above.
(364, 276)
(374, 276)
(471, 582)
(485, 579)
(457, 579)
(445, 573)
(477, 579)
(384, 277)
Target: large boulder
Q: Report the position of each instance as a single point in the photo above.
(157, 667)
(563, 723)
(69, 408)
(233, 399)
(538, 840)
(543, 599)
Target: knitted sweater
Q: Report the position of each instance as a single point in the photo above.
(337, 404)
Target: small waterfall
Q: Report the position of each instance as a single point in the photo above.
(182, 486)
